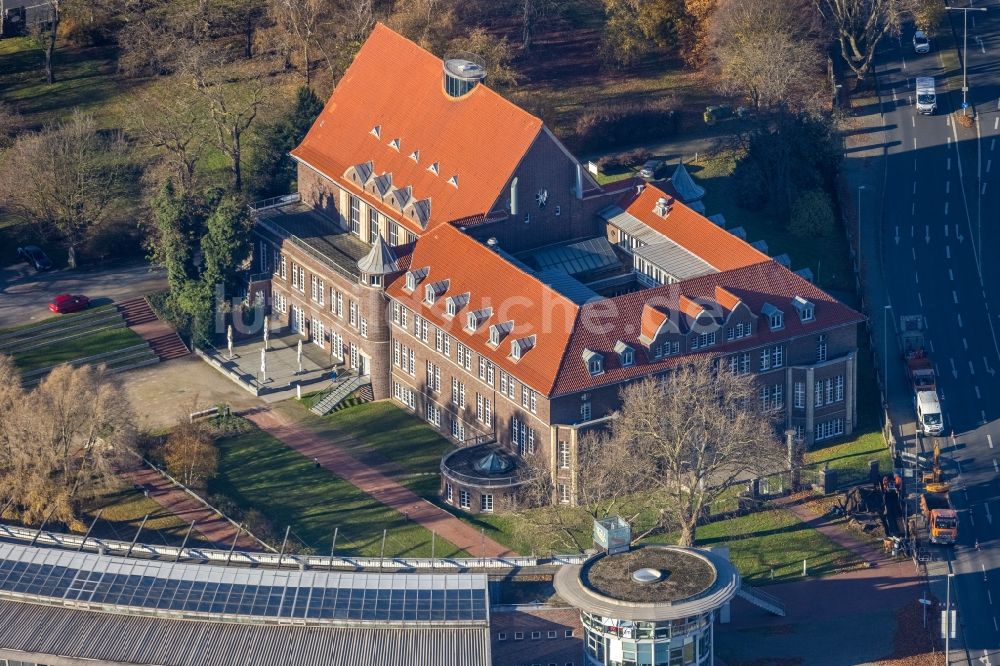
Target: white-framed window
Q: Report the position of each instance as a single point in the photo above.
(433, 377)
(364, 327)
(355, 218)
(420, 328)
(667, 348)
(778, 356)
(394, 234)
(839, 388)
(280, 302)
(494, 336)
(314, 288)
(534, 403)
(765, 359)
(463, 499)
(458, 393)
(799, 390)
(739, 364)
(525, 396)
(777, 320)
(372, 226)
(457, 431)
(433, 414)
(808, 312)
(585, 411)
(829, 429)
(595, 365)
(563, 492)
(628, 357)
(336, 344)
(562, 449)
(818, 394)
(482, 368)
(463, 356)
(484, 409)
(449, 492)
(284, 267)
(703, 340)
(447, 345)
(828, 390)
(486, 503)
(317, 332)
(352, 309)
(337, 303)
(778, 396)
(821, 348)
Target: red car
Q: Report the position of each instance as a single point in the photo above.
(64, 303)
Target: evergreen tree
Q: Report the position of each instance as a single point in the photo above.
(275, 171)
(226, 244)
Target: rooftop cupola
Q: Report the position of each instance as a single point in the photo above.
(378, 263)
(462, 72)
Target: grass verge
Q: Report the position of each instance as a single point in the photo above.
(76, 348)
(259, 472)
(64, 320)
(122, 513)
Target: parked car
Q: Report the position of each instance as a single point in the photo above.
(34, 256)
(920, 42)
(650, 168)
(64, 303)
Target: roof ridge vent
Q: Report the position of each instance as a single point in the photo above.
(376, 132)
(663, 206)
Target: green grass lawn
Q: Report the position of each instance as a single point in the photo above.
(64, 320)
(829, 259)
(383, 435)
(850, 458)
(122, 513)
(76, 348)
(258, 471)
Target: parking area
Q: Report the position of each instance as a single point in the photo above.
(25, 293)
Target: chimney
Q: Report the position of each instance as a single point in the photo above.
(639, 188)
(513, 196)
(579, 181)
(492, 243)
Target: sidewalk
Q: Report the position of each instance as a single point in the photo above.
(836, 533)
(209, 524)
(376, 484)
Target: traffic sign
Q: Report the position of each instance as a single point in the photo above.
(950, 625)
(925, 602)
(965, 105)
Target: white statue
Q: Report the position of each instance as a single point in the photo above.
(229, 340)
(263, 366)
(267, 327)
(298, 354)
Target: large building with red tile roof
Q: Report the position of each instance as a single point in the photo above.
(445, 245)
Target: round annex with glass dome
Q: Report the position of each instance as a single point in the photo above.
(649, 606)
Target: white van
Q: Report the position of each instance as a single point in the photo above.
(929, 419)
(926, 97)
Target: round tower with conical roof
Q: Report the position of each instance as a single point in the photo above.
(375, 269)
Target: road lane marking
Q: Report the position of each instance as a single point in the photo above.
(989, 597)
(965, 343)
(954, 295)
(931, 343)
(951, 275)
(949, 162)
(989, 440)
(972, 368)
(913, 208)
(920, 299)
(960, 321)
(989, 163)
(954, 370)
(913, 121)
(996, 466)
(984, 189)
(946, 226)
(993, 142)
(916, 278)
(914, 143)
(913, 251)
(947, 121)
(973, 521)
(947, 187)
(995, 625)
(977, 393)
(989, 516)
(996, 121)
(947, 251)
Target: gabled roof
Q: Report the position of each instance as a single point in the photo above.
(395, 85)
(605, 324)
(543, 319)
(717, 247)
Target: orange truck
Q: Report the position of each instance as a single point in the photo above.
(942, 519)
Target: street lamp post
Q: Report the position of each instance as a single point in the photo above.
(965, 51)
(947, 622)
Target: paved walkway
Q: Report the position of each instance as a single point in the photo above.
(836, 533)
(376, 484)
(209, 524)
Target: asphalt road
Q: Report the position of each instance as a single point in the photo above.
(940, 232)
(24, 294)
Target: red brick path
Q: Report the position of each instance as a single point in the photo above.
(209, 524)
(376, 484)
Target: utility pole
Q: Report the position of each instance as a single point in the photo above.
(947, 622)
(965, 51)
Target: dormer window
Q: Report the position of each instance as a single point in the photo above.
(377, 132)
(807, 311)
(499, 331)
(476, 318)
(626, 355)
(775, 317)
(594, 361)
(414, 277)
(450, 307)
(456, 303)
(453, 181)
(432, 291)
(472, 322)
(415, 156)
(394, 144)
(434, 168)
(520, 346)
(515, 350)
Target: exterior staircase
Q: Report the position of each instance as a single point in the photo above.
(762, 600)
(339, 392)
(162, 339)
(136, 311)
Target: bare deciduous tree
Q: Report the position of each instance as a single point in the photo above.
(764, 51)
(858, 26)
(190, 454)
(687, 437)
(69, 439)
(173, 119)
(67, 177)
(44, 31)
(302, 21)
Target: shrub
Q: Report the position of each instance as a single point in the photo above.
(812, 215)
(626, 124)
(621, 161)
